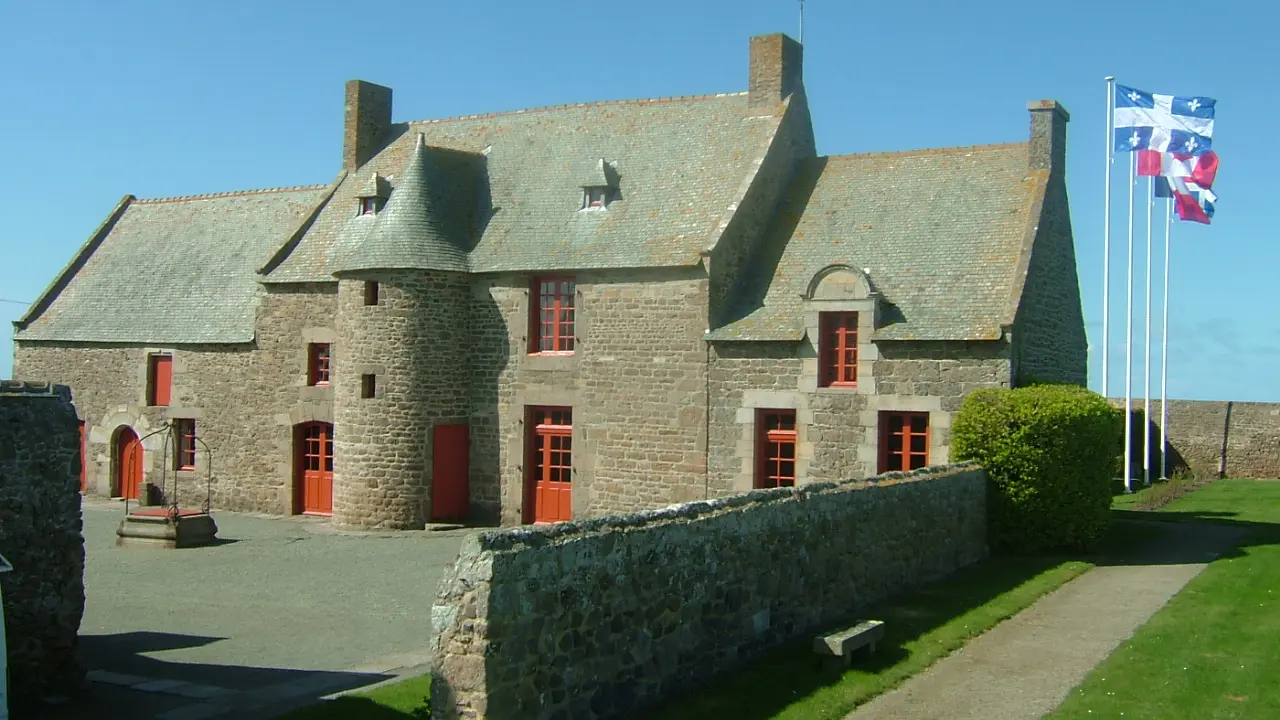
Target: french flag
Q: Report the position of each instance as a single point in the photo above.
(1194, 203)
(1201, 169)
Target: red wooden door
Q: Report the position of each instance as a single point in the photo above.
(552, 465)
(450, 484)
(128, 463)
(315, 481)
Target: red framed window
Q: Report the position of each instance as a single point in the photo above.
(184, 438)
(775, 448)
(317, 448)
(838, 348)
(159, 379)
(904, 441)
(552, 318)
(318, 364)
(549, 489)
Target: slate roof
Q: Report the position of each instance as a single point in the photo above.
(940, 230)
(680, 163)
(424, 226)
(171, 270)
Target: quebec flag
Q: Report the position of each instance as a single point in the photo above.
(1165, 123)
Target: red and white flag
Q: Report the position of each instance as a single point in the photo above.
(1201, 169)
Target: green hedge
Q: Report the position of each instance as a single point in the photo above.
(1051, 452)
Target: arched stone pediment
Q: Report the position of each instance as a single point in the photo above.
(839, 282)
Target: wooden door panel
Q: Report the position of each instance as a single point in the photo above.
(450, 471)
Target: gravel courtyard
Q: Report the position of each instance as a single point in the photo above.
(284, 595)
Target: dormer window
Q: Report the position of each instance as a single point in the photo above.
(374, 194)
(599, 183)
(596, 197)
(368, 205)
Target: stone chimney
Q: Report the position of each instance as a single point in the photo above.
(777, 70)
(367, 117)
(1048, 136)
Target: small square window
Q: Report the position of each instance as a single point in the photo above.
(596, 197)
(368, 386)
(370, 292)
(904, 441)
(318, 364)
(368, 205)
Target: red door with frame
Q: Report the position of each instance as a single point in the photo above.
(315, 469)
(450, 482)
(128, 463)
(551, 465)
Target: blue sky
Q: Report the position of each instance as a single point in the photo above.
(161, 99)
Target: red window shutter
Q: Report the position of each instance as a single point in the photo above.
(161, 379)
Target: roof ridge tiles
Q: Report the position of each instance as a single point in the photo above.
(229, 193)
(927, 151)
(568, 106)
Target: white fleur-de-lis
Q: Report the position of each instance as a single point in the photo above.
(1194, 104)
(1134, 96)
(1134, 139)
(1190, 144)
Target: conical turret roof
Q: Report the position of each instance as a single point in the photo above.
(414, 231)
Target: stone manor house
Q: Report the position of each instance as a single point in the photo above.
(563, 312)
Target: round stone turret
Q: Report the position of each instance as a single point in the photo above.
(399, 363)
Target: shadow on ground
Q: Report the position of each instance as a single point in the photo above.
(767, 685)
(254, 692)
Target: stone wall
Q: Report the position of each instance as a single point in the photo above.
(245, 400)
(413, 342)
(636, 383)
(1211, 438)
(597, 618)
(40, 535)
(837, 429)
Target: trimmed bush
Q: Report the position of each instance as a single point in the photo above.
(1051, 452)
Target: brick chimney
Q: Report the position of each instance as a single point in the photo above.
(1048, 136)
(367, 117)
(777, 70)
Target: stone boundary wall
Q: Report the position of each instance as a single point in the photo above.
(41, 536)
(1212, 438)
(600, 617)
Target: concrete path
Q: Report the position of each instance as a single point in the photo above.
(286, 611)
(1025, 666)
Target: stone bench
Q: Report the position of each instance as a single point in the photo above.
(837, 647)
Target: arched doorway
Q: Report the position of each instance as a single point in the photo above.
(313, 468)
(128, 464)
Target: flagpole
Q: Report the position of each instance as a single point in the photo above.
(1128, 347)
(1146, 339)
(1106, 243)
(1164, 348)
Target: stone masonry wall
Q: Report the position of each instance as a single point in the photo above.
(40, 535)
(1049, 334)
(600, 617)
(636, 383)
(1212, 438)
(245, 400)
(413, 342)
(838, 428)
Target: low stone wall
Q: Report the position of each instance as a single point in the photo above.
(40, 534)
(1211, 438)
(599, 617)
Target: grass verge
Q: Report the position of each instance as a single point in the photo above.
(407, 700)
(921, 627)
(1211, 652)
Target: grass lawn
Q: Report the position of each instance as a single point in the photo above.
(401, 701)
(1214, 650)
(921, 627)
